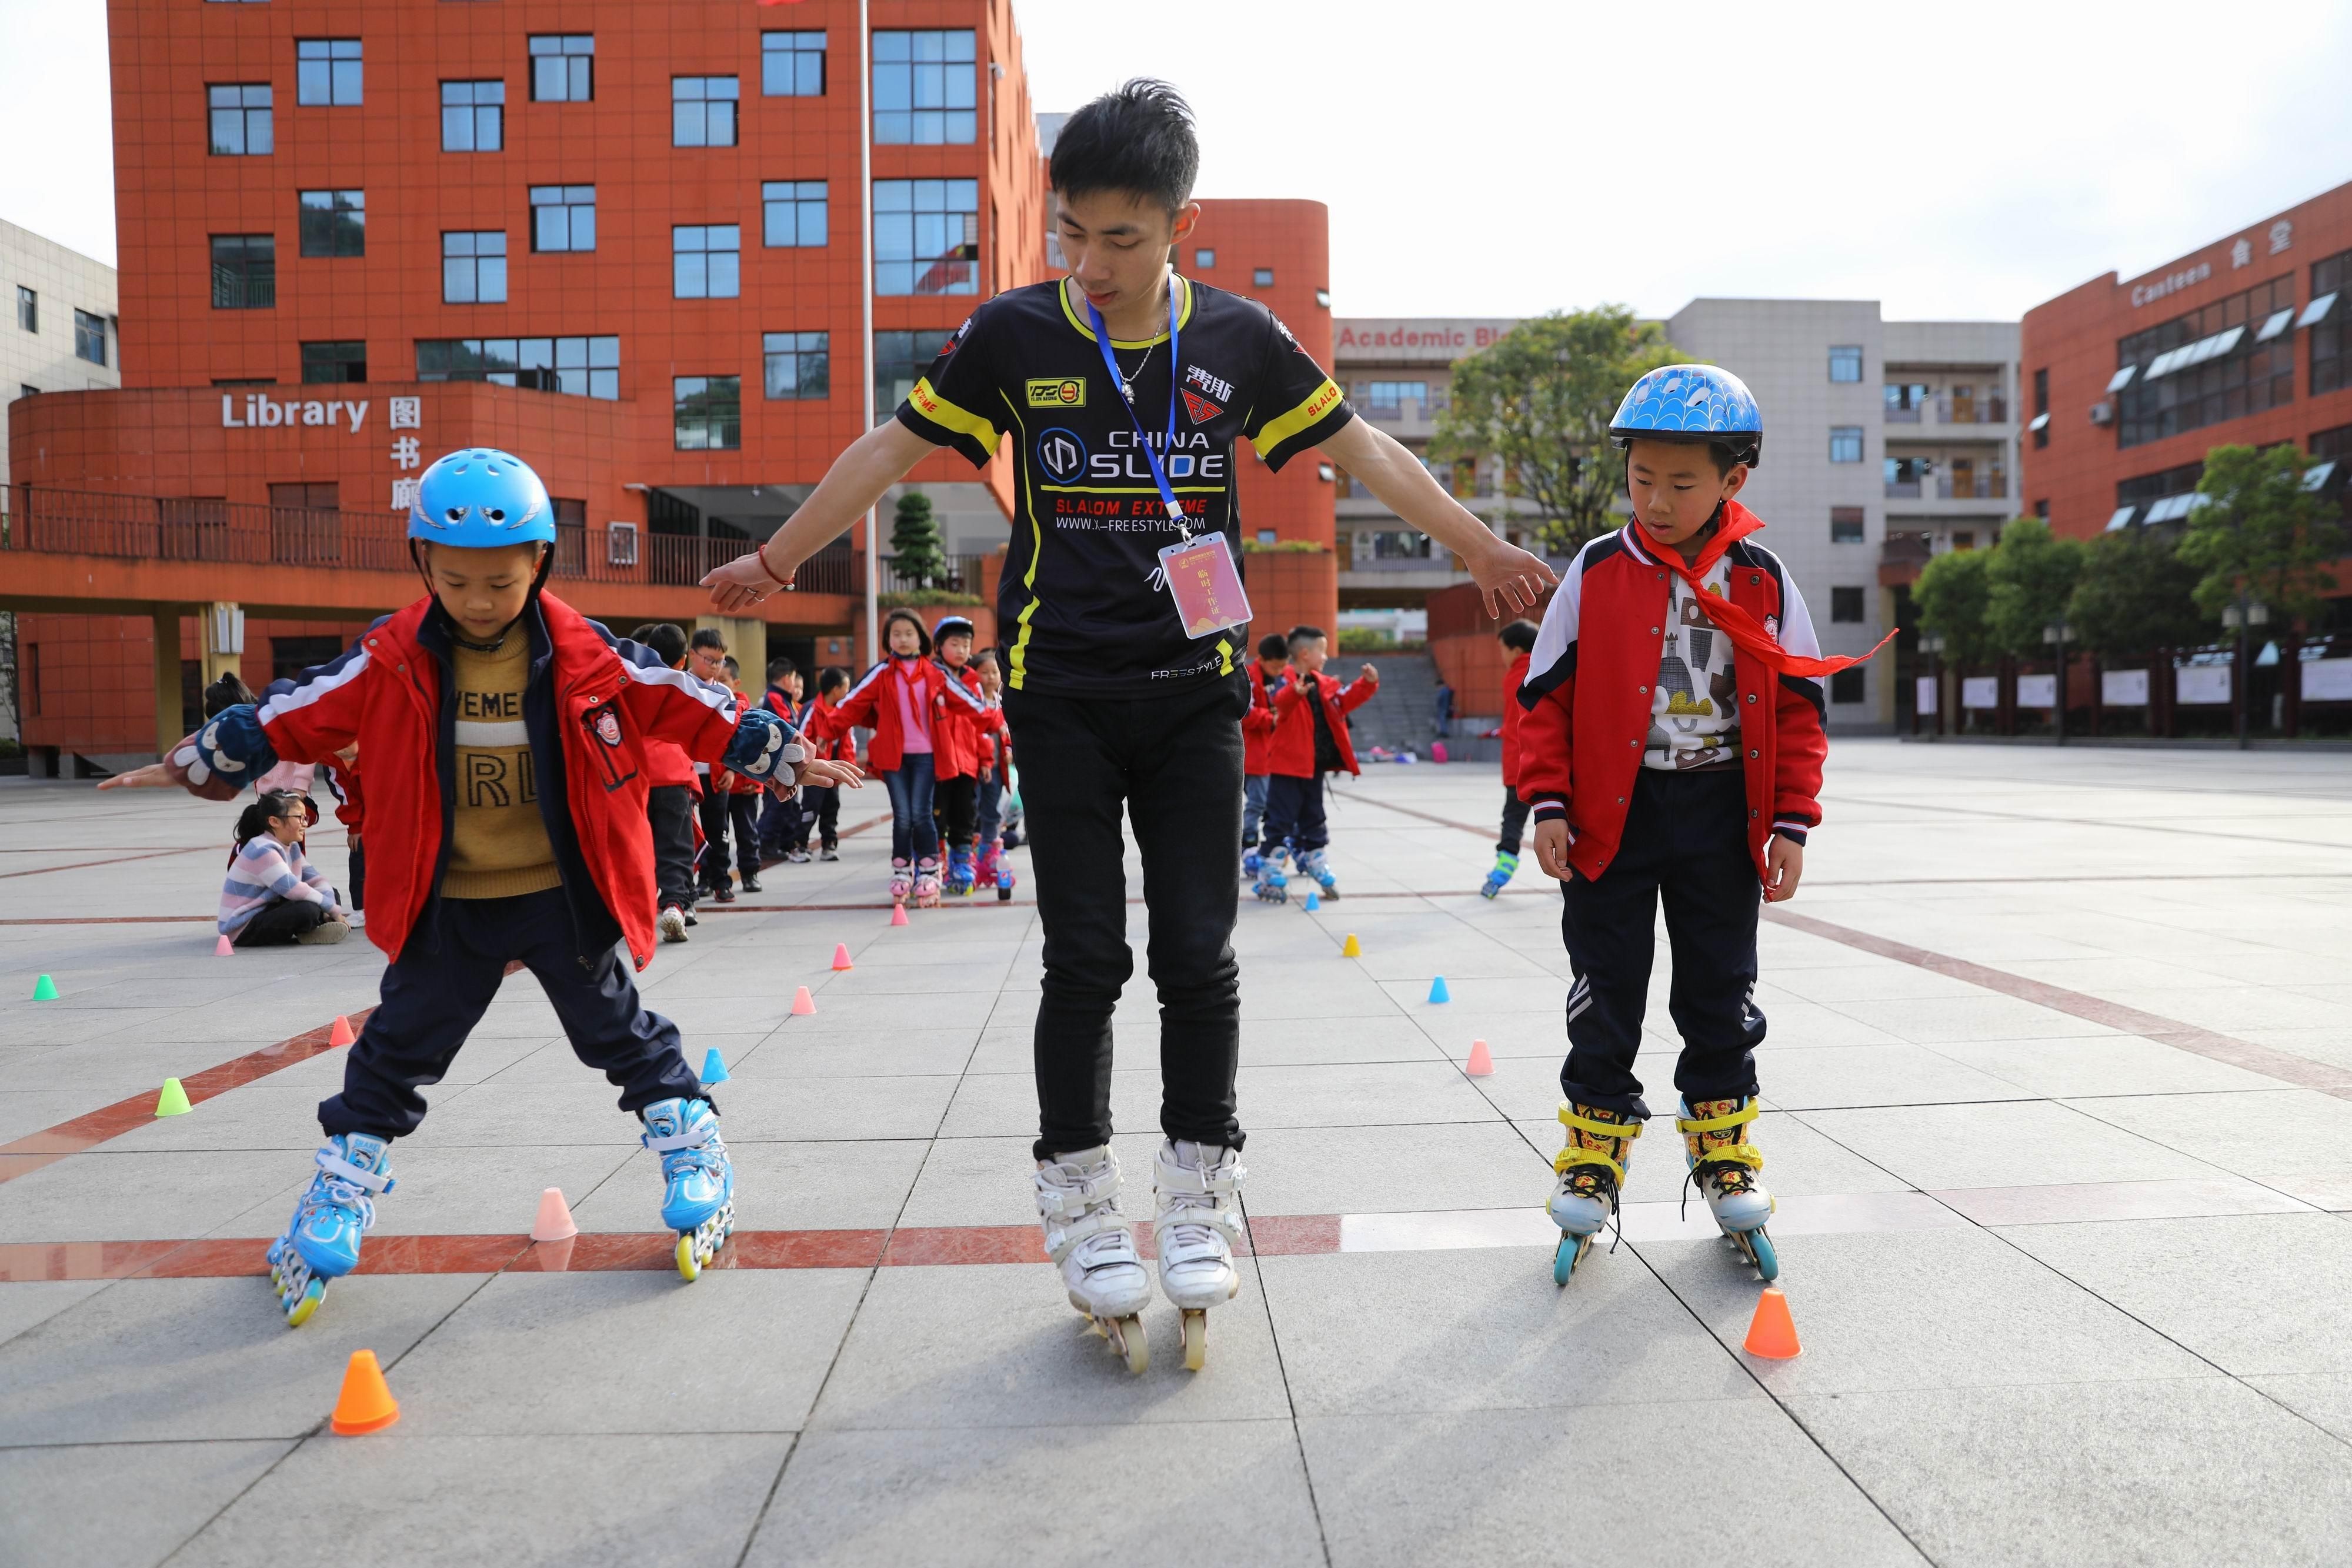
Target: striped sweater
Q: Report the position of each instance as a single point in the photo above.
(266, 872)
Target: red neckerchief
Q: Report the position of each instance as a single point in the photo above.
(1747, 633)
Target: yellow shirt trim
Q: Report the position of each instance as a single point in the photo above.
(1274, 432)
(927, 402)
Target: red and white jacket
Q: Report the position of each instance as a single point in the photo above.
(871, 704)
(1291, 752)
(1257, 724)
(1587, 696)
(959, 736)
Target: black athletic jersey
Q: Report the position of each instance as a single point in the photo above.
(1080, 609)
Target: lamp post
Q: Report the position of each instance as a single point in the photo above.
(1932, 645)
(2058, 634)
(2246, 613)
(866, 305)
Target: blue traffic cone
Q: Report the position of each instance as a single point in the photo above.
(1314, 901)
(1437, 991)
(714, 1067)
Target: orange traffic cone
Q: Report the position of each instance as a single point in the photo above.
(341, 1035)
(554, 1222)
(803, 1002)
(366, 1403)
(898, 914)
(1772, 1333)
(841, 956)
(1482, 1061)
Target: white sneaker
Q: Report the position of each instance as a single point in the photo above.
(672, 923)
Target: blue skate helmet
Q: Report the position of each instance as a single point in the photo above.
(479, 497)
(954, 626)
(1691, 403)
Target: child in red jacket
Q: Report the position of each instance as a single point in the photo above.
(820, 804)
(673, 791)
(1311, 740)
(962, 733)
(1519, 641)
(1672, 748)
(1257, 738)
(505, 737)
(902, 700)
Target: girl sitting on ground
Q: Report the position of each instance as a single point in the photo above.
(274, 895)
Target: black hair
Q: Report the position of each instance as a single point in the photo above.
(983, 656)
(254, 819)
(228, 691)
(778, 668)
(832, 677)
(1519, 636)
(734, 670)
(1137, 138)
(1274, 645)
(667, 642)
(1301, 633)
(708, 637)
(922, 633)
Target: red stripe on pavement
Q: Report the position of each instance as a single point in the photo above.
(115, 860)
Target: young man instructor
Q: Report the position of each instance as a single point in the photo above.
(1118, 387)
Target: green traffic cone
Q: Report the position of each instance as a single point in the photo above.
(173, 1100)
(44, 989)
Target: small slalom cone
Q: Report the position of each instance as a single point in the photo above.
(1352, 948)
(44, 989)
(803, 1002)
(841, 960)
(224, 948)
(898, 914)
(366, 1403)
(341, 1035)
(1314, 901)
(1437, 991)
(714, 1067)
(1482, 1061)
(173, 1100)
(555, 1221)
(1772, 1332)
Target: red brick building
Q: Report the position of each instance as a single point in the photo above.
(620, 239)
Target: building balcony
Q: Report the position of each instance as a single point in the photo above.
(1947, 411)
(1949, 487)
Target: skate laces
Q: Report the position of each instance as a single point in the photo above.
(1192, 1216)
(1719, 1150)
(1592, 1165)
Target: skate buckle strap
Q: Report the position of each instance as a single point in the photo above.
(1062, 1239)
(1090, 1190)
(695, 1136)
(1177, 1177)
(1627, 1128)
(335, 1165)
(1746, 1154)
(1745, 1113)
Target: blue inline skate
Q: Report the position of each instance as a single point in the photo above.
(1272, 885)
(1252, 863)
(322, 1243)
(960, 871)
(1724, 1167)
(1311, 864)
(699, 1200)
(1505, 864)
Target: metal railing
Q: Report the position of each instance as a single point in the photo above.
(1979, 487)
(962, 576)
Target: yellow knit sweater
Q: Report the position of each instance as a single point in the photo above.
(498, 843)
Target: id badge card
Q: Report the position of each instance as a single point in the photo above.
(1207, 585)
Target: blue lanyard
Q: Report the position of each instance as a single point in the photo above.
(1110, 362)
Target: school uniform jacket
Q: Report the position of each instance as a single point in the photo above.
(1291, 752)
(960, 734)
(1586, 698)
(1257, 726)
(1512, 718)
(593, 703)
(872, 705)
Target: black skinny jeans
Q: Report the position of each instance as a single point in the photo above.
(275, 925)
(1176, 762)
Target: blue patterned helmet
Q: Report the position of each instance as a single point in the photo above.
(480, 498)
(1691, 403)
(953, 626)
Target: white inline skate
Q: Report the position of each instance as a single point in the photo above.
(1089, 1241)
(1194, 1226)
(1591, 1172)
(698, 1181)
(1723, 1166)
(321, 1242)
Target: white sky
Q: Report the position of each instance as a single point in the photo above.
(1494, 158)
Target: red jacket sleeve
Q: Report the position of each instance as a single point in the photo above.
(312, 716)
(1546, 701)
(1259, 719)
(1354, 694)
(665, 704)
(1800, 748)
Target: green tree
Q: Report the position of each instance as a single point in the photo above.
(2260, 533)
(1954, 592)
(2029, 576)
(1539, 400)
(915, 540)
(2135, 594)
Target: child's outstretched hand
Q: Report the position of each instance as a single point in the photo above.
(171, 772)
(835, 773)
(1551, 842)
(1784, 863)
(1370, 677)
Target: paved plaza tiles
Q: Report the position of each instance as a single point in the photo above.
(2059, 1114)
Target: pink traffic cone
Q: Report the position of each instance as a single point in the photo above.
(224, 948)
(1482, 1062)
(898, 916)
(841, 956)
(554, 1222)
(803, 1002)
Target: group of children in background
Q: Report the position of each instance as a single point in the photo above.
(1293, 738)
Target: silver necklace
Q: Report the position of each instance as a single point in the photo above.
(1127, 378)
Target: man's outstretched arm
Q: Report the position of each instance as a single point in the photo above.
(869, 465)
(1502, 571)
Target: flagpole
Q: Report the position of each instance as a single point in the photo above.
(866, 304)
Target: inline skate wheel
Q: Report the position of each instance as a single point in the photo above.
(1569, 1253)
(1196, 1339)
(1761, 1252)
(689, 1259)
(305, 1304)
(1126, 1340)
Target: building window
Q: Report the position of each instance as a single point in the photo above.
(926, 236)
(2164, 496)
(1847, 685)
(925, 87)
(799, 366)
(473, 116)
(794, 212)
(240, 120)
(1391, 395)
(582, 367)
(89, 337)
(329, 363)
(564, 68)
(1263, 277)
(2331, 343)
(898, 359)
(26, 389)
(28, 308)
(333, 222)
(708, 412)
(1204, 260)
(1845, 443)
(2042, 408)
(244, 271)
(1845, 362)
(1399, 544)
(1846, 525)
(563, 217)
(702, 110)
(1905, 478)
(705, 261)
(2232, 358)
(2041, 509)
(792, 65)
(327, 72)
(1845, 604)
(474, 267)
